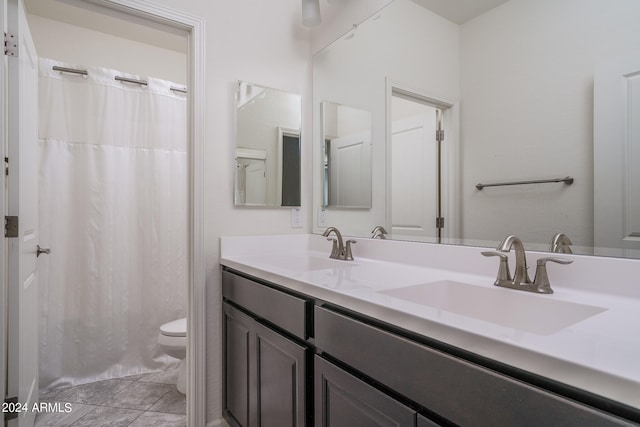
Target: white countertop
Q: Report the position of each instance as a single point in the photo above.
(600, 354)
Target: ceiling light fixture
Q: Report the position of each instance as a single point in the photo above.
(310, 12)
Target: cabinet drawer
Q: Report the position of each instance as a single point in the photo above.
(279, 308)
(457, 390)
(344, 400)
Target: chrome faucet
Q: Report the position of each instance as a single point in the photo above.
(561, 244)
(521, 279)
(379, 232)
(520, 275)
(339, 250)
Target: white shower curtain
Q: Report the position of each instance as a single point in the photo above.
(113, 210)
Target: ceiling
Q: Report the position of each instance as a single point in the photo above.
(459, 11)
(83, 14)
(86, 15)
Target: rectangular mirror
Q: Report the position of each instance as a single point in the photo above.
(530, 92)
(267, 152)
(346, 133)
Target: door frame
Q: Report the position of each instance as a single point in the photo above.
(3, 205)
(196, 340)
(450, 153)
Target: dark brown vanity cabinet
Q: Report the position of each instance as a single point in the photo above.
(264, 370)
(290, 360)
(455, 390)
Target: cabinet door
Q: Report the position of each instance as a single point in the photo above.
(236, 337)
(264, 374)
(343, 400)
(279, 380)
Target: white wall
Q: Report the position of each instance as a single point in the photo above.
(353, 71)
(527, 72)
(80, 46)
(339, 16)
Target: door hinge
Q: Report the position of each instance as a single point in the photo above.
(10, 44)
(10, 226)
(6, 167)
(440, 222)
(440, 135)
(11, 404)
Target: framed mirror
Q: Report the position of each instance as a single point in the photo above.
(267, 151)
(346, 135)
(523, 87)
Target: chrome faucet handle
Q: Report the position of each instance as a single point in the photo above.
(348, 256)
(335, 252)
(541, 281)
(504, 275)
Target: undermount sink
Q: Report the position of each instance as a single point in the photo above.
(538, 314)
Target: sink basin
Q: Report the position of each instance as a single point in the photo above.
(538, 314)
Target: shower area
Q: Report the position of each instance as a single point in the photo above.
(113, 183)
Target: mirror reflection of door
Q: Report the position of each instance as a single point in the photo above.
(251, 177)
(413, 169)
(617, 156)
(350, 170)
(347, 152)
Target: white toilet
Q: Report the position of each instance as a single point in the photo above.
(172, 339)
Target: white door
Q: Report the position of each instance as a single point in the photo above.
(350, 171)
(3, 248)
(617, 155)
(413, 175)
(22, 278)
(256, 182)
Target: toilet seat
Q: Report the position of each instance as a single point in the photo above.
(176, 328)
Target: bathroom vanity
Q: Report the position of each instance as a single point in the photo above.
(313, 341)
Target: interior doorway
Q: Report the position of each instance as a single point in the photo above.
(421, 166)
(135, 12)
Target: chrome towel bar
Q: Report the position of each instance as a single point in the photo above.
(567, 180)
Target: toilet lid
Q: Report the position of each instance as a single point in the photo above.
(177, 328)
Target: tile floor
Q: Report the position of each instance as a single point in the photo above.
(136, 401)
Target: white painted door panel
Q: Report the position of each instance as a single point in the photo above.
(350, 171)
(413, 176)
(617, 154)
(22, 349)
(256, 183)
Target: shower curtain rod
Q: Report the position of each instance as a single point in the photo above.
(119, 78)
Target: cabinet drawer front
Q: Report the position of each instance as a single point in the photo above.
(281, 309)
(457, 390)
(344, 400)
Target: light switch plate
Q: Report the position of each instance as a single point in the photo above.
(296, 218)
(322, 217)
